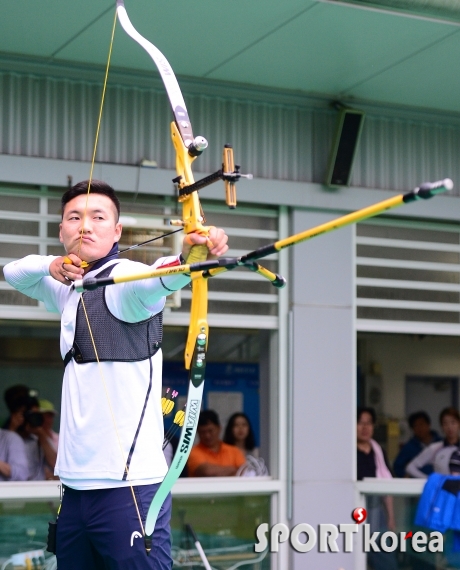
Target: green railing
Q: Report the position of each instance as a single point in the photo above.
(224, 513)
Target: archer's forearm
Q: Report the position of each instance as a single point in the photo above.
(138, 300)
(26, 275)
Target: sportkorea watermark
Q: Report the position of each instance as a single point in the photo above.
(328, 537)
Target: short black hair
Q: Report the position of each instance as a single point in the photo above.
(366, 410)
(13, 394)
(96, 187)
(208, 417)
(418, 416)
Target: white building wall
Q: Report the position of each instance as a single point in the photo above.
(324, 385)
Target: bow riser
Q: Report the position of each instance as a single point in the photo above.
(192, 216)
(192, 222)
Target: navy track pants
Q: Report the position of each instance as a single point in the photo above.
(99, 530)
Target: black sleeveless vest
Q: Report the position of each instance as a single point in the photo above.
(115, 340)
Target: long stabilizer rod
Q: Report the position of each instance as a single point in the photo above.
(423, 192)
(214, 267)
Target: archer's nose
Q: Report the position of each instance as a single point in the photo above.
(86, 227)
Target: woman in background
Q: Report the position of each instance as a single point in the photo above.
(371, 462)
(240, 434)
(438, 454)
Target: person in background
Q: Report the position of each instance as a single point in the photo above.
(212, 457)
(239, 433)
(439, 453)
(371, 462)
(420, 425)
(13, 460)
(40, 451)
(16, 398)
(48, 412)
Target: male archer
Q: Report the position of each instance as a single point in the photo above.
(110, 458)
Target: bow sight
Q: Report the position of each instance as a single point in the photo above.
(229, 173)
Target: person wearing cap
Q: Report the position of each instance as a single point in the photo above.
(40, 450)
(46, 408)
(438, 454)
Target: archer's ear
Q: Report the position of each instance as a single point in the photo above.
(118, 231)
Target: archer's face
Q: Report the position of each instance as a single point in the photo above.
(100, 227)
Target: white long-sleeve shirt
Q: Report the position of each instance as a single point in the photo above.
(102, 403)
(437, 454)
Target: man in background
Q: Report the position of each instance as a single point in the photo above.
(423, 435)
(212, 457)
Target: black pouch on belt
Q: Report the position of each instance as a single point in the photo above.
(51, 542)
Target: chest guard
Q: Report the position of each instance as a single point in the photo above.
(115, 340)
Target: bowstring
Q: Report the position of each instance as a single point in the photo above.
(98, 129)
(101, 373)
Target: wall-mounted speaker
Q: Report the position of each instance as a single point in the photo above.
(349, 127)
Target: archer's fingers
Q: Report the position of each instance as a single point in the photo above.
(217, 251)
(65, 272)
(196, 239)
(218, 239)
(71, 271)
(72, 259)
